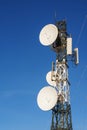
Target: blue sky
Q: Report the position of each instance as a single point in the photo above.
(24, 62)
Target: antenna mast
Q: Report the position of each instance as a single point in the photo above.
(57, 38)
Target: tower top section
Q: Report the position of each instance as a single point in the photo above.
(56, 36)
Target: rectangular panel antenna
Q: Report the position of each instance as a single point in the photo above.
(76, 56)
(69, 46)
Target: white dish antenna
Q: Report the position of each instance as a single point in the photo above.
(48, 34)
(49, 79)
(47, 98)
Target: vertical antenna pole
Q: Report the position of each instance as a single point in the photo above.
(53, 71)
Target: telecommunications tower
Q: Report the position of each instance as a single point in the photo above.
(56, 96)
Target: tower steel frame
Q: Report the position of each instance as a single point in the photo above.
(61, 113)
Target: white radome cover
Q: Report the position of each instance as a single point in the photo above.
(49, 80)
(48, 34)
(47, 98)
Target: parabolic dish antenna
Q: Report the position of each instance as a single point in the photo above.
(47, 98)
(49, 79)
(48, 34)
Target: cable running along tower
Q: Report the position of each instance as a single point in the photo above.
(56, 97)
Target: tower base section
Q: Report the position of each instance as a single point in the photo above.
(61, 117)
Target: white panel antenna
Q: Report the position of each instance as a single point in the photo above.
(48, 34)
(76, 56)
(47, 98)
(69, 46)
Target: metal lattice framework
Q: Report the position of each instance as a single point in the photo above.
(61, 117)
(61, 113)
